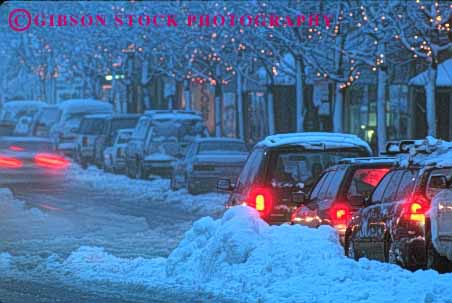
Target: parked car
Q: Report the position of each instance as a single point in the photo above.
(115, 155)
(113, 123)
(439, 241)
(395, 225)
(90, 129)
(44, 119)
(160, 139)
(282, 165)
(28, 163)
(207, 160)
(13, 111)
(71, 114)
(340, 192)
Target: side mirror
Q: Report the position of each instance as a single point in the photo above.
(224, 185)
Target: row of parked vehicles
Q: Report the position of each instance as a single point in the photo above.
(382, 207)
(169, 143)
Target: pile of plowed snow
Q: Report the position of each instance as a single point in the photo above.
(241, 257)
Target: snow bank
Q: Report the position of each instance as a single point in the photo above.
(241, 257)
(5, 262)
(156, 190)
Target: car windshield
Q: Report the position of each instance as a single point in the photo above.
(49, 116)
(123, 138)
(92, 126)
(222, 147)
(123, 123)
(305, 166)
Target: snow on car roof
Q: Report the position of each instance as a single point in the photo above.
(218, 139)
(125, 130)
(368, 160)
(432, 152)
(329, 140)
(81, 104)
(174, 114)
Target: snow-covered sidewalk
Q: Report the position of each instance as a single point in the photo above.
(241, 257)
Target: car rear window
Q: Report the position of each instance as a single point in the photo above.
(364, 181)
(27, 146)
(92, 126)
(221, 146)
(251, 168)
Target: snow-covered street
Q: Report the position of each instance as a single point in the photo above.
(106, 238)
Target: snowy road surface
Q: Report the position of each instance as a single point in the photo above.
(105, 238)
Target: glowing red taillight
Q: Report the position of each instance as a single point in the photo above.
(10, 162)
(416, 209)
(340, 214)
(16, 148)
(51, 161)
(261, 199)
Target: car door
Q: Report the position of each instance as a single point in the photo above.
(368, 228)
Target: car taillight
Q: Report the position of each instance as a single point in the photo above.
(10, 162)
(85, 141)
(51, 161)
(416, 208)
(261, 199)
(340, 215)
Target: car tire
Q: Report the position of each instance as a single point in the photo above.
(140, 172)
(389, 251)
(191, 190)
(350, 250)
(130, 172)
(434, 260)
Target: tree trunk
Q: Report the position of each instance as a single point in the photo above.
(240, 105)
(270, 112)
(430, 93)
(187, 95)
(299, 88)
(338, 115)
(381, 112)
(218, 102)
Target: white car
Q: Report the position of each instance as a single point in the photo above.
(114, 156)
(441, 232)
(71, 113)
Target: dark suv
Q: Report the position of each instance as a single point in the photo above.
(282, 165)
(340, 191)
(395, 225)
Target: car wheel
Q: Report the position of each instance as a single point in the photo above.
(390, 255)
(140, 172)
(350, 250)
(190, 188)
(129, 171)
(434, 260)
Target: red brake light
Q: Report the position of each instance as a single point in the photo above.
(51, 161)
(10, 162)
(261, 199)
(416, 208)
(340, 214)
(16, 148)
